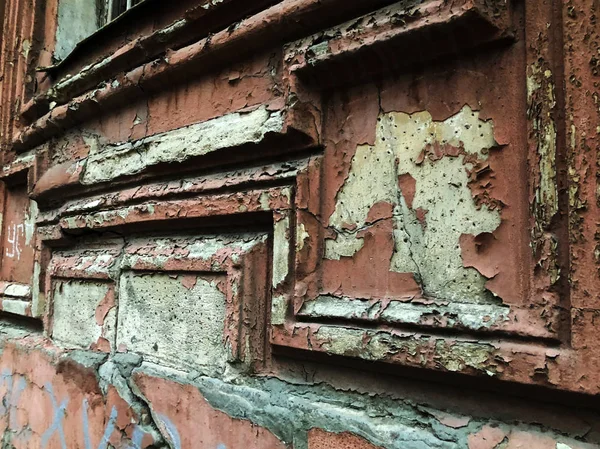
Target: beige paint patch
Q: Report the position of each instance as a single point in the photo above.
(38, 303)
(475, 317)
(278, 310)
(281, 251)
(301, 236)
(438, 156)
(15, 306)
(18, 290)
(541, 87)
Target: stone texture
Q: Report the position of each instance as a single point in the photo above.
(75, 305)
(170, 321)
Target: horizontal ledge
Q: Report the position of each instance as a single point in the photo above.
(225, 140)
(397, 36)
(20, 164)
(207, 253)
(201, 18)
(223, 204)
(523, 363)
(15, 306)
(62, 181)
(289, 19)
(15, 290)
(450, 315)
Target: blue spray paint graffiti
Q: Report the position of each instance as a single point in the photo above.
(170, 430)
(108, 430)
(57, 420)
(16, 385)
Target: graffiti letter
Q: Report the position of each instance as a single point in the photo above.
(18, 388)
(57, 420)
(108, 430)
(5, 379)
(11, 240)
(168, 429)
(18, 234)
(137, 438)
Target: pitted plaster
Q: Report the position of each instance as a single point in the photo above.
(74, 313)
(429, 221)
(170, 323)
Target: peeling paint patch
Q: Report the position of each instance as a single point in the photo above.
(301, 236)
(278, 310)
(541, 100)
(456, 356)
(281, 251)
(109, 162)
(541, 106)
(474, 317)
(15, 306)
(431, 212)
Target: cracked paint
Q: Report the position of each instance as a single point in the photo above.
(230, 130)
(306, 241)
(430, 218)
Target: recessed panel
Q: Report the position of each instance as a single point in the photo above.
(177, 319)
(83, 313)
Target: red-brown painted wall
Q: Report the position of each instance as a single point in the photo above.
(302, 224)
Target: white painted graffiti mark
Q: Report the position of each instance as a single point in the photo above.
(18, 235)
(15, 232)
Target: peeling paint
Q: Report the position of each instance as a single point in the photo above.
(377, 346)
(454, 315)
(541, 100)
(439, 156)
(278, 310)
(281, 250)
(109, 162)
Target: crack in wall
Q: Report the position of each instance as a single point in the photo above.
(432, 211)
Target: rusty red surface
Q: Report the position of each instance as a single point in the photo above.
(402, 188)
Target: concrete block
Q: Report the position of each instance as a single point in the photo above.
(171, 320)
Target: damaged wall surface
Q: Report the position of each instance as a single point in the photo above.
(300, 224)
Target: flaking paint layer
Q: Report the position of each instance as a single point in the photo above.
(432, 210)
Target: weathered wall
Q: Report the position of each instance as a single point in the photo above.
(301, 224)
